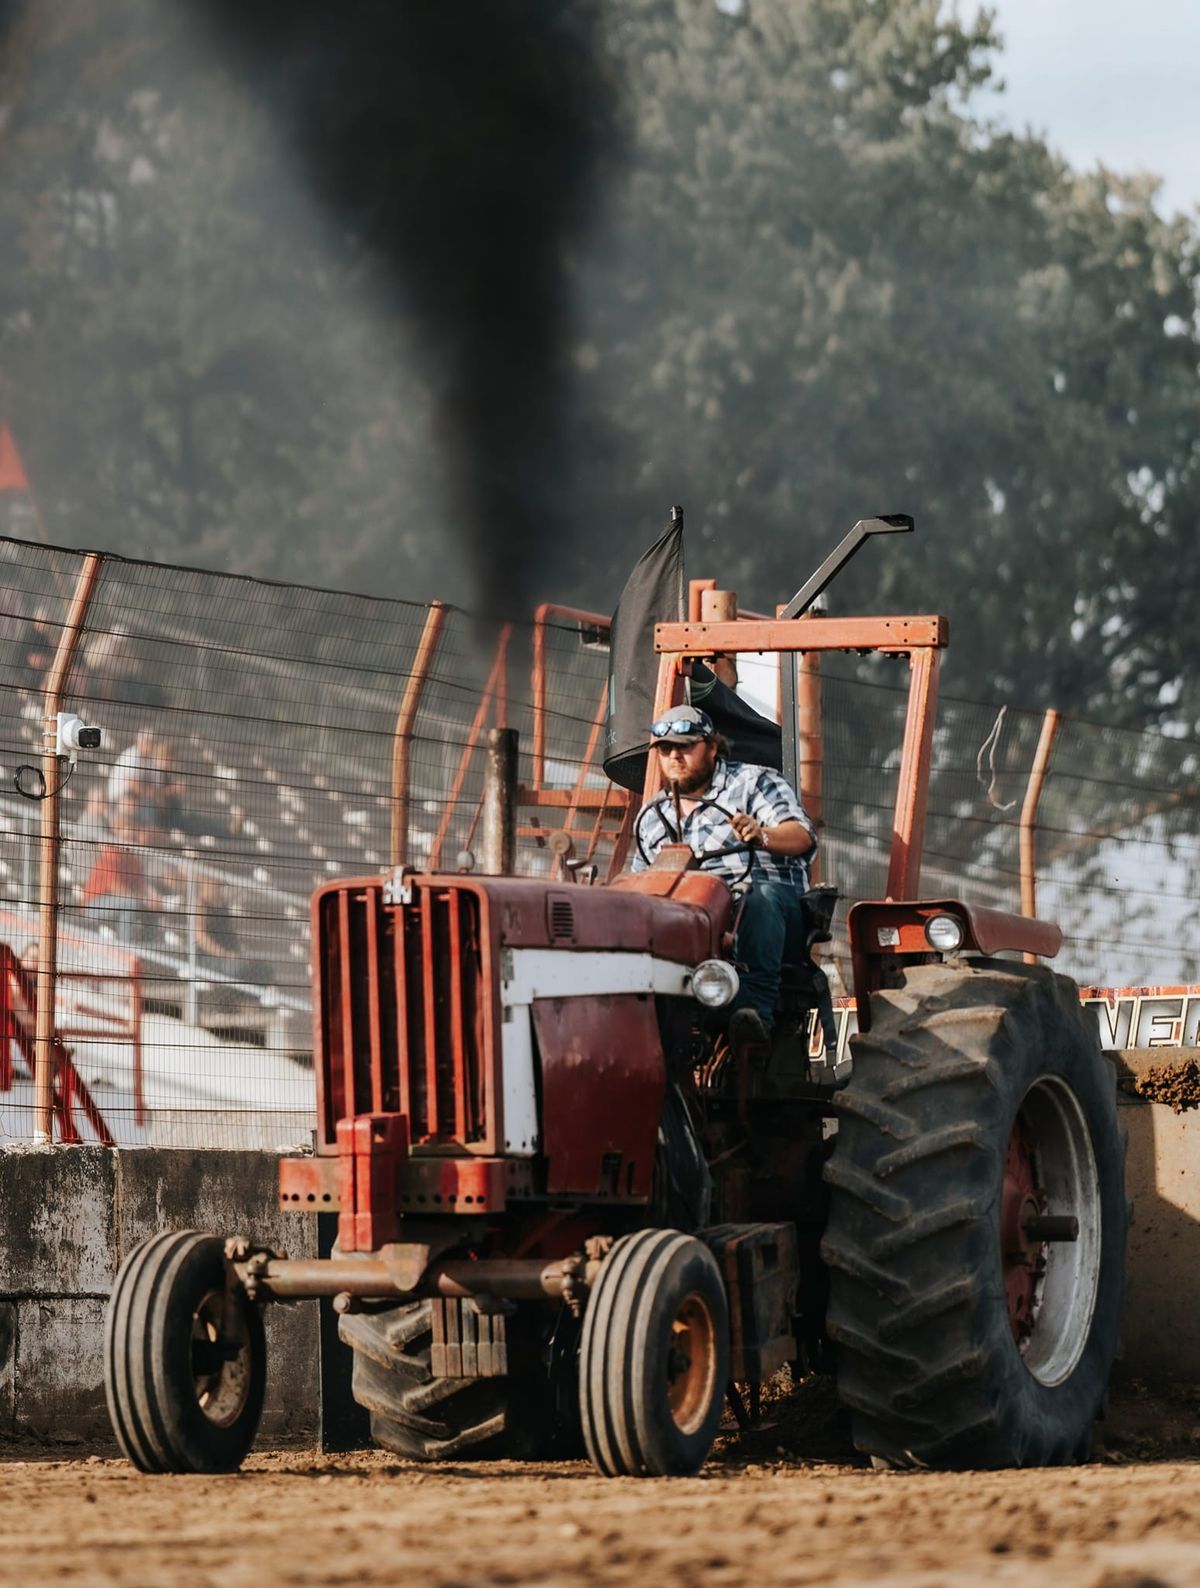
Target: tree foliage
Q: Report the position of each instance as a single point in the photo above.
(819, 286)
(830, 291)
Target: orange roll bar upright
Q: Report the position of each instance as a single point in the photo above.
(912, 784)
(811, 768)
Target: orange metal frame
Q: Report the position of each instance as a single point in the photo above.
(494, 697)
(587, 813)
(920, 639)
(579, 801)
(542, 618)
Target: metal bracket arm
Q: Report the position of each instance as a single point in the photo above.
(886, 524)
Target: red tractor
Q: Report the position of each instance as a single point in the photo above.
(569, 1212)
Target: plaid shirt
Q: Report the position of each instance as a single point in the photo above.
(736, 786)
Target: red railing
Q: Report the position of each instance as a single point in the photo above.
(18, 1027)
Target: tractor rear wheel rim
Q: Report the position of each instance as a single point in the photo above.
(1051, 1286)
(222, 1386)
(691, 1364)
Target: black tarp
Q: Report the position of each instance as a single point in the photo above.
(752, 737)
(653, 594)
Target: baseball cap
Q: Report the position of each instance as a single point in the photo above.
(682, 725)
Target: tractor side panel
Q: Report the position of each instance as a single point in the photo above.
(603, 1079)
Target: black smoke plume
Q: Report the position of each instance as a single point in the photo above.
(459, 143)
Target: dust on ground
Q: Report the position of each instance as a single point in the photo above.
(788, 1503)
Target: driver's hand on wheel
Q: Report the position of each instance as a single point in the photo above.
(748, 830)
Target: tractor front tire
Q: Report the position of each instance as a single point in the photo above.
(420, 1416)
(654, 1358)
(182, 1395)
(970, 1330)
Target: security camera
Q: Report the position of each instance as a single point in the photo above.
(74, 735)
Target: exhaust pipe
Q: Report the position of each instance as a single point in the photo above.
(498, 824)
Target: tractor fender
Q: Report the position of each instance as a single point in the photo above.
(884, 931)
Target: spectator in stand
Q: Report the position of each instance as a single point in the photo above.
(116, 890)
(145, 773)
(167, 791)
(217, 935)
(132, 767)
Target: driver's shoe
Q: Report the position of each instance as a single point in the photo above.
(748, 1029)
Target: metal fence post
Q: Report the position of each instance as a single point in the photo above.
(191, 997)
(1029, 810)
(47, 967)
(405, 719)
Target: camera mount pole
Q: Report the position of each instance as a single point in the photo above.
(47, 965)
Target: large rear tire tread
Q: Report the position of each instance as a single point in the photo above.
(150, 1370)
(927, 1361)
(424, 1418)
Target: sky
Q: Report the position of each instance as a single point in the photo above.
(1109, 81)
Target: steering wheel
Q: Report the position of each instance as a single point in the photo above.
(739, 847)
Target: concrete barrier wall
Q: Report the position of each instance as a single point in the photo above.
(1160, 1330)
(67, 1219)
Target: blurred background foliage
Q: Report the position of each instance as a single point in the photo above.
(802, 280)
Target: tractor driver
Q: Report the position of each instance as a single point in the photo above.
(725, 802)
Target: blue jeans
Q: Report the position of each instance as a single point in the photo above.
(772, 928)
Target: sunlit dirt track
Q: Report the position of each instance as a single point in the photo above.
(758, 1514)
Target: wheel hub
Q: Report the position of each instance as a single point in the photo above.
(1050, 1230)
(1023, 1258)
(691, 1364)
(221, 1365)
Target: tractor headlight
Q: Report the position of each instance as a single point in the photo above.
(944, 932)
(714, 983)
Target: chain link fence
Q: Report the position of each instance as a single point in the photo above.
(260, 739)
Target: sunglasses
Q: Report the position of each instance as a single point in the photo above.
(665, 725)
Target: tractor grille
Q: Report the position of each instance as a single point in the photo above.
(404, 1012)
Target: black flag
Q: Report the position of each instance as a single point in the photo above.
(653, 594)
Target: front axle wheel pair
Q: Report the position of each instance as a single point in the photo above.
(185, 1364)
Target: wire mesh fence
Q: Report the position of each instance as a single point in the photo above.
(252, 737)
(1117, 829)
(261, 739)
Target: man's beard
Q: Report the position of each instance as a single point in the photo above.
(691, 782)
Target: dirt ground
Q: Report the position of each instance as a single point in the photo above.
(787, 1504)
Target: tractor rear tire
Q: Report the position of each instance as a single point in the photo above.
(180, 1398)
(980, 1100)
(425, 1418)
(654, 1358)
